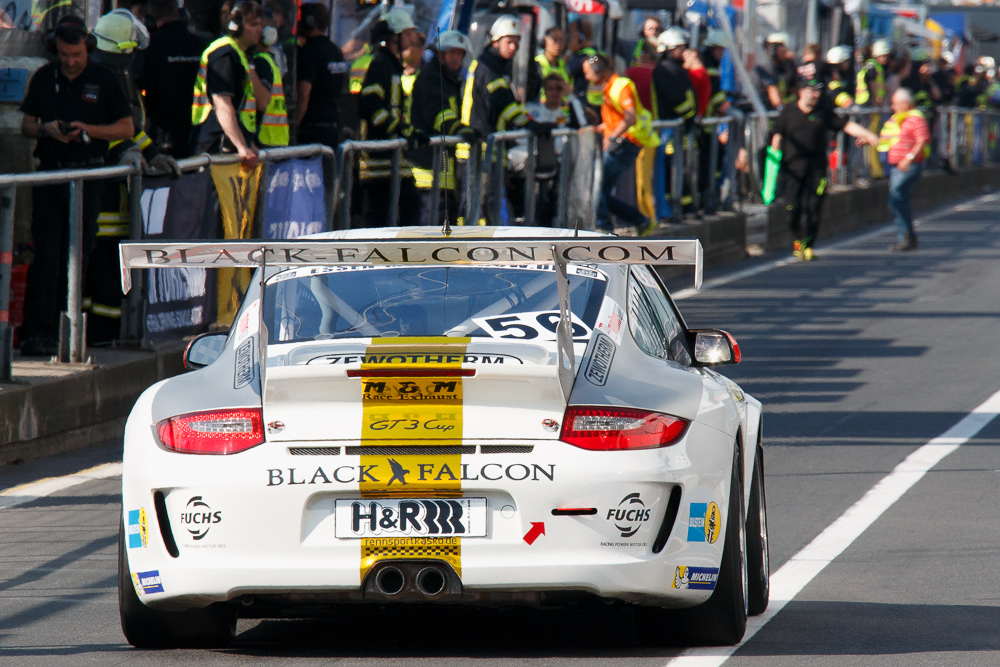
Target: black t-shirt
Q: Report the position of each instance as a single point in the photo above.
(166, 71)
(321, 63)
(805, 137)
(225, 76)
(95, 97)
(264, 71)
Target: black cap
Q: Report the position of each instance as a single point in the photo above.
(810, 82)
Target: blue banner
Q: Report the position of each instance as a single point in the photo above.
(295, 198)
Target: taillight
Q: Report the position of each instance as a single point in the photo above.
(214, 432)
(607, 429)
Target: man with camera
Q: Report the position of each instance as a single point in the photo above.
(74, 108)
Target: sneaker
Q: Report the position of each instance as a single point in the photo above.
(908, 243)
(808, 254)
(797, 249)
(648, 227)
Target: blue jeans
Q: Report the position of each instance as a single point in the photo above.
(901, 187)
(614, 164)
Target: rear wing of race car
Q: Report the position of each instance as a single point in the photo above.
(555, 250)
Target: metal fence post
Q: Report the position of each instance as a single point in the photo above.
(132, 316)
(473, 184)
(74, 288)
(569, 151)
(7, 197)
(677, 176)
(346, 179)
(329, 193)
(530, 186)
(394, 187)
(714, 182)
(437, 153)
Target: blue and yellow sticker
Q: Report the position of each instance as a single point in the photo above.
(704, 523)
(695, 578)
(147, 582)
(137, 529)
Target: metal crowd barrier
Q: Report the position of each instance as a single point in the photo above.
(344, 173)
(963, 137)
(72, 336)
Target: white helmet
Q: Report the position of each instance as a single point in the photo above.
(838, 54)
(881, 47)
(453, 39)
(119, 31)
(778, 38)
(505, 26)
(717, 37)
(671, 38)
(399, 20)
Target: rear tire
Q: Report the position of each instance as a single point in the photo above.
(722, 619)
(144, 627)
(758, 554)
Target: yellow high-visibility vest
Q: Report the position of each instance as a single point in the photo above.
(889, 136)
(862, 95)
(201, 106)
(274, 124)
(548, 68)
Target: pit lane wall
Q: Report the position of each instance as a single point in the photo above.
(54, 408)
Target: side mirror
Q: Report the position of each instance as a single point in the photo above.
(714, 347)
(205, 349)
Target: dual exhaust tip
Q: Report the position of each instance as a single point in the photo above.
(413, 580)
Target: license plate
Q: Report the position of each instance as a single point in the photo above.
(416, 517)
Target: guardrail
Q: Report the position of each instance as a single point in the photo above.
(72, 334)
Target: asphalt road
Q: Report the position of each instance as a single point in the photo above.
(860, 359)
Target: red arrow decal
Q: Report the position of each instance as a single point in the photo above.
(537, 528)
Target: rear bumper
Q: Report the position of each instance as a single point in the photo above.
(261, 523)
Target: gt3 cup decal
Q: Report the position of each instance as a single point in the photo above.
(198, 518)
(630, 515)
(704, 523)
(137, 529)
(409, 471)
(147, 582)
(700, 578)
(600, 361)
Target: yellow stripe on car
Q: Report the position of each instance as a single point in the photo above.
(402, 412)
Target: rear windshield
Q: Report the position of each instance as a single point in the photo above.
(479, 301)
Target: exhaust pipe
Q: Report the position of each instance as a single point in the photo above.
(416, 580)
(431, 581)
(390, 581)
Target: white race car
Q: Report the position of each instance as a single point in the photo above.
(491, 416)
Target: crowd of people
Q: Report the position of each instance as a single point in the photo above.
(157, 89)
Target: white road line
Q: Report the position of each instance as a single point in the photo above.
(803, 567)
(26, 493)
